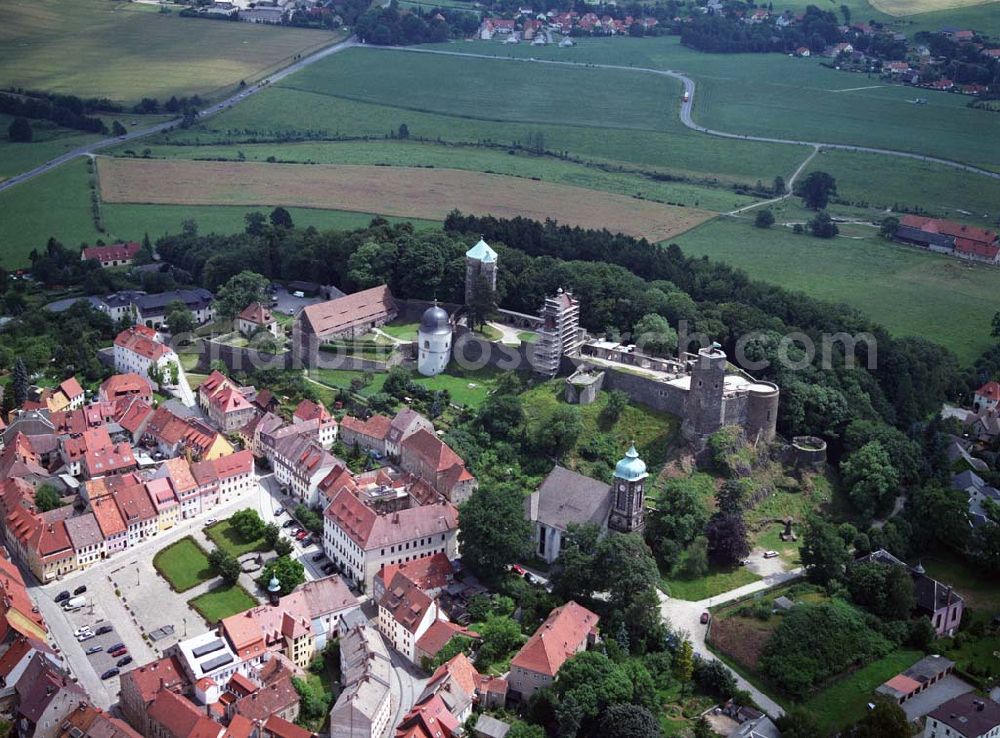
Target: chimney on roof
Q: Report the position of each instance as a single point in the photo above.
(948, 594)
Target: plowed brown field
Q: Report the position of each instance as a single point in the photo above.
(406, 192)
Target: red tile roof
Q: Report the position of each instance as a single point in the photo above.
(166, 673)
(377, 426)
(429, 719)
(427, 572)
(142, 341)
(177, 716)
(71, 388)
(234, 465)
(114, 252)
(405, 602)
(256, 313)
(122, 385)
(309, 410)
(109, 518)
(370, 530)
(990, 390)
(438, 635)
(280, 728)
(563, 633)
(434, 452)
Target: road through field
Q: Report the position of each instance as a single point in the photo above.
(686, 109)
(92, 148)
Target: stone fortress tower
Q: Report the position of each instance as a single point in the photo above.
(628, 494)
(480, 260)
(434, 338)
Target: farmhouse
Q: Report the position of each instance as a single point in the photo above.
(945, 236)
(349, 316)
(119, 254)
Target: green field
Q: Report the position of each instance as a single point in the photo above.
(714, 583)
(845, 701)
(222, 602)
(918, 293)
(780, 96)
(125, 51)
(55, 204)
(227, 538)
(184, 564)
(360, 94)
(49, 141)
(466, 387)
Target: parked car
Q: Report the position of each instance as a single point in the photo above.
(124, 661)
(115, 647)
(211, 521)
(705, 617)
(81, 630)
(771, 554)
(64, 595)
(80, 590)
(74, 603)
(329, 568)
(110, 673)
(94, 649)
(85, 636)
(104, 629)
(118, 652)
(317, 556)
(279, 511)
(301, 535)
(288, 524)
(518, 569)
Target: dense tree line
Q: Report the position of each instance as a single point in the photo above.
(961, 62)
(729, 34)
(65, 111)
(388, 26)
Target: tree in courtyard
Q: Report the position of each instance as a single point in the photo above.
(240, 291)
(888, 227)
(573, 576)
(19, 131)
(629, 721)
(47, 498)
(728, 543)
(174, 373)
(247, 522)
(822, 225)
(229, 569)
(271, 534)
(283, 546)
(871, 479)
(695, 562)
(179, 318)
(816, 189)
(281, 218)
(559, 434)
(117, 129)
(492, 530)
(19, 382)
(764, 219)
(654, 335)
(500, 636)
(483, 302)
(824, 553)
(289, 572)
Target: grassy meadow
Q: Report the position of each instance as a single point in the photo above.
(910, 292)
(126, 51)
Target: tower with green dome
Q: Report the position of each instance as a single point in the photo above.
(628, 494)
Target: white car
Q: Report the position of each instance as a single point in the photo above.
(211, 521)
(81, 630)
(85, 636)
(771, 554)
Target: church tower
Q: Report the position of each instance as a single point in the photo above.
(480, 259)
(628, 494)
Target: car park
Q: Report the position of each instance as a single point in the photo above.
(110, 673)
(80, 590)
(94, 649)
(64, 595)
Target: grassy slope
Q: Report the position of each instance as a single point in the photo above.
(55, 204)
(775, 95)
(126, 51)
(917, 293)
(356, 94)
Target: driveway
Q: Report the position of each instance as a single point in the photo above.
(684, 616)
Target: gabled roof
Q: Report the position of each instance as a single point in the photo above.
(346, 312)
(280, 728)
(142, 341)
(370, 530)
(309, 410)
(165, 673)
(439, 633)
(108, 517)
(256, 313)
(427, 572)
(377, 426)
(114, 252)
(563, 633)
(430, 719)
(990, 390)
(71, 388)
(130, 383)
(234, 465)
(405, 602)
(432, 450)
(177, 716)
(566, 497)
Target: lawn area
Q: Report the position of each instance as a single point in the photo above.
(468, 387)
(488, 332)
(651, 431)
(222, 602)
(714, 583)
(527, 336)
(919, 293)
(403, 331)
(184, 564)
(194, 380)
(55, 204)
(227, 538)
(845, 700)
(126, 51)
(980, 591)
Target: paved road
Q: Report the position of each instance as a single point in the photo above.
(683, 616)
(90, 149)
(687, 106)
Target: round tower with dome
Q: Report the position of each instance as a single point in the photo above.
(628, 494)
(433, 341)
